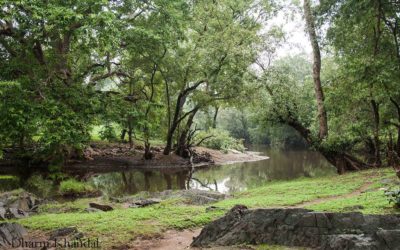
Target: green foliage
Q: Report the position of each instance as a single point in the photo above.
(394, 197)
(8, 182)
(221, 140)
(108, 133)
(40, 186)
(72, 186)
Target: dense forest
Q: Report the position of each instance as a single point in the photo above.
(172, 124)
(188, 72)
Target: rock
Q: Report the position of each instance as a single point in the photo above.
(350, 241)
(302, 228)
(62, 232)
(2, 213)
(14, 213)
(144, 203)
(77, 236)
(23, 201)
(198, 197)
(390, 237)
(101, 207)
(10, 232)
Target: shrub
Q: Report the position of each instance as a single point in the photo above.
(394, 197)
(40, 186)
(72, 186)
(220, 139)
(108, 133)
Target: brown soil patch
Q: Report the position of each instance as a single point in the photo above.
(232, 156)
(171, 240)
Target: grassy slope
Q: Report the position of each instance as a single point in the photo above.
(123, 225)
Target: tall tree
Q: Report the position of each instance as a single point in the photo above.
(319, 94)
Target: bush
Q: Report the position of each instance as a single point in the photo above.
(394, 197)
(108, 133)
(221, 140)
(40, 186)
(72, 186)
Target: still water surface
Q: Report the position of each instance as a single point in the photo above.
(281, 165)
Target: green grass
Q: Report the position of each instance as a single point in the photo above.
(8, 177)
(72, 186)
(286, 193)
(122, 225)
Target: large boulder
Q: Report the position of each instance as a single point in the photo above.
(9, 233)
(302, 228)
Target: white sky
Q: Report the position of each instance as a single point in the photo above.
(290, 18)
(296, 38)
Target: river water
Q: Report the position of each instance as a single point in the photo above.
(281, 165)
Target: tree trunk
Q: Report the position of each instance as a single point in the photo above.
(341, 160)
(183, 147)
(175, 122)
(397, 106)
(322, 116)
(123, 133)
(377, 143)
(148, 155)
(214, 125)
(130, 132)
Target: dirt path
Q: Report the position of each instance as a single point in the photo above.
(356, 192)
(171, 240)
(176, 240)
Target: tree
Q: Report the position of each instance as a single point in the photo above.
(50, 50)
(211, 63)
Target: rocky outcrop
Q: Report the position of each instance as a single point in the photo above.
(17, 205)
(302, 228)
(10, 232)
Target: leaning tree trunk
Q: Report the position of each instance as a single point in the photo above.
(341, 160)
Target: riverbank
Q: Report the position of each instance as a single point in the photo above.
(107, 157)
(124, 227)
